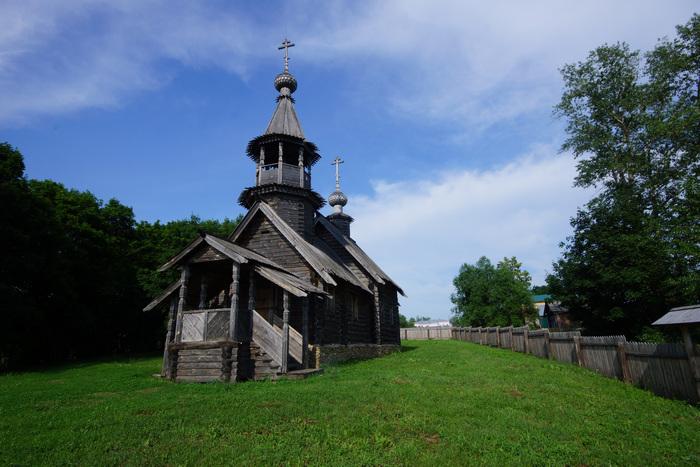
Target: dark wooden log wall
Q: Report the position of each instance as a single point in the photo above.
(262, 237)
(297, 212)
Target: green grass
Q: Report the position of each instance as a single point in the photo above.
(437, 402)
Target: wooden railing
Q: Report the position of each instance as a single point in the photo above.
(296, 341)
(205, 325)
(269, 338)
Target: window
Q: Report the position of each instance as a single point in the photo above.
(353, 306)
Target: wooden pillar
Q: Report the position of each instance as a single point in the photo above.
(301, 167)
(170, 334)
(251, 302)
(203, 293)
(305, 331)
(510, 332)
(234, 292)
(577, 347)
(377, 316)
(526, 338)
(279, 163)
(184, 277)
(693, 360)
(622, 357)
(547, 344)
(261, 163)
(285, 332)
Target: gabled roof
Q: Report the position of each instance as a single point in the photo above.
(285, 121)
(682, 315)
(324, 265)
(170, 290)
(357, 253)
(288, 282)
(235, 252)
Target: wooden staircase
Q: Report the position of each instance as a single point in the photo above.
(266, 349)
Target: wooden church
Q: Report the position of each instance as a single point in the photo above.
(288, 289)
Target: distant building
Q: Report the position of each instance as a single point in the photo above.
(539, 301)
(434, 323)
(559, 317)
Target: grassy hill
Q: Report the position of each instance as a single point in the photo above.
(437, 402)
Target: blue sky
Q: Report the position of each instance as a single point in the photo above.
(441, 110)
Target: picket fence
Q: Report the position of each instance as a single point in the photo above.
(664, 369)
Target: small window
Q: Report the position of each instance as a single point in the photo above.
(353, 306)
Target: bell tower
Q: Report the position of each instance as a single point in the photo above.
(283, 160)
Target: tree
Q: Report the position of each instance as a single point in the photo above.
(539, 289)
(633, 123)
(405, 322)
(492, 296)
(76, 271)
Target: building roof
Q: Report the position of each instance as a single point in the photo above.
(680, 316)
(541, 298)
(320, 261)
(284, 120)
(554, 309)
(357, 253)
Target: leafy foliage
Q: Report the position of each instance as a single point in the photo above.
(633, 122)
(492, 296)
(77, 271)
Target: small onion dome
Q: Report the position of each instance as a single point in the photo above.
(285, 80)
(337, 198)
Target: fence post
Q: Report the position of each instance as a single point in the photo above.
(622, 356)
(512, 344)
(577, 346)
(548, 344)
(693, 360)
(526, 338)
(498, 336)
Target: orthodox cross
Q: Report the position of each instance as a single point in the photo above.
(286, 45)
(337, 163)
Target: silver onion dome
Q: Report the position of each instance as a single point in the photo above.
(285, 80)
(337, 198)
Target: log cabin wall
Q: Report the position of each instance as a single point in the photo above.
(262, 237)
(297, 212)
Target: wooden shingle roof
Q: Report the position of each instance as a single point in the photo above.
(679, 316)
(358, 254)
(326, 267)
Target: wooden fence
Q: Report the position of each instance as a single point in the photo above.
(426, 333)
(664, 369)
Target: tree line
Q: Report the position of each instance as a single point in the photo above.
(633, 124)
(76, 271)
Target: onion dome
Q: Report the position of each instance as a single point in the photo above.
(285, 80)
(337, 198)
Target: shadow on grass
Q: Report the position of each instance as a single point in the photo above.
(58, 367)
(408, 348)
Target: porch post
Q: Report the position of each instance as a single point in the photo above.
(305, 331)
(203, 293)
(170, 334)
(261, 163)
(233, 314)
(285, 332)
(279, 164)
(301, 167)
(251, 301)
(377, 316)
(184, 277)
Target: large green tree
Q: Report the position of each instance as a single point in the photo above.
(633, 123)
(488, 295)
(76, 272)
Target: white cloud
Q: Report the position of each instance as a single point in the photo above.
(58, 57)
(420, 232)
(471, 63)
(481, 62)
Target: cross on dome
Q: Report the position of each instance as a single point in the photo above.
(336, 162)
(286, 45)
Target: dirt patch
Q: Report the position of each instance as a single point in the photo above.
(148, 390)
(432, 439)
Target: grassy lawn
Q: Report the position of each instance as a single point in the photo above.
(436, 402)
